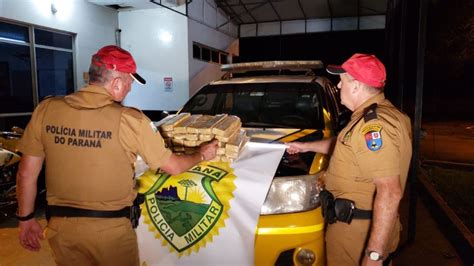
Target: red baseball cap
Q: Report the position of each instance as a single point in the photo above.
(365, 68)
(116, 58)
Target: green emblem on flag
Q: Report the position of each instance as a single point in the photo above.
(188, 209)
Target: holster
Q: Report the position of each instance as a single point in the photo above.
(327, 205)
(136, 211)
(340, 209)
(344, 210)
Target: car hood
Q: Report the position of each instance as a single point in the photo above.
(296, 164)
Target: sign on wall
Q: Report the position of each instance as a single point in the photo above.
(168, 82)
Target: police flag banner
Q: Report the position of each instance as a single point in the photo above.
(207, 215)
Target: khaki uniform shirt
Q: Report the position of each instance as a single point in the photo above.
(377, 148)
(90, 144)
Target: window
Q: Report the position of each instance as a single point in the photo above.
(16, 88)
(281, 105)
(205, 54)
(12, 32)
(54, 63)
(53, 39)
(55, 72)
(209, 54)
(50, 57)
(196, 51)
(223, 58)
(215, 56)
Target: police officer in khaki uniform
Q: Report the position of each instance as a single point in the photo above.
(89, 143)
(368, 167)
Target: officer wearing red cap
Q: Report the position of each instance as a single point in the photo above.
(89, 143)
(368, 169)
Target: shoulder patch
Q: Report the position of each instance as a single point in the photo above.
(373, 136)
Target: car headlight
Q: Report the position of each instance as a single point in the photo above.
(292, 194)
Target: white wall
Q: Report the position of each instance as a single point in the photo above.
(203, 27)
(94, 25)
(156, 59)
(207, 13)
(200, 33)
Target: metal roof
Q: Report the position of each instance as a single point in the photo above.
(260, 11)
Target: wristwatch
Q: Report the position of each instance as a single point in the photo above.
(24, 218)
(374, 255)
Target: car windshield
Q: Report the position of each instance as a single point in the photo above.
(264, 105)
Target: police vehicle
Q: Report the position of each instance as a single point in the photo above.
(276, 107)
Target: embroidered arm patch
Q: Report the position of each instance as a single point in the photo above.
(373, 136)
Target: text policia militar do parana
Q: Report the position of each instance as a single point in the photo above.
(78, 137)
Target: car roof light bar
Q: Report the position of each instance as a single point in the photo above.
(272, 65)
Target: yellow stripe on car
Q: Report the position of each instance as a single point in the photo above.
(290, 230)
(297, 135)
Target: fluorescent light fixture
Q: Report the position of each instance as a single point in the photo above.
(11, 40)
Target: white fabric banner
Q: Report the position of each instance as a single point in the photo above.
(207, 215)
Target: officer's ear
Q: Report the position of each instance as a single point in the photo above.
(355, 86)
(116, 83)
(115, 88)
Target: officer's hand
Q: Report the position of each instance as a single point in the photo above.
(296, 147)
(208, 150)
(30, 234)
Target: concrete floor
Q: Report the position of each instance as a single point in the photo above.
(11, 253)
(430, 246)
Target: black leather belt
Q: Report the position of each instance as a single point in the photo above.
(362, 214)
(63, 211)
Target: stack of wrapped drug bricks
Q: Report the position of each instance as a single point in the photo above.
(183, 133)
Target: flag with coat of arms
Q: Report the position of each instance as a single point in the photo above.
(207, 215)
